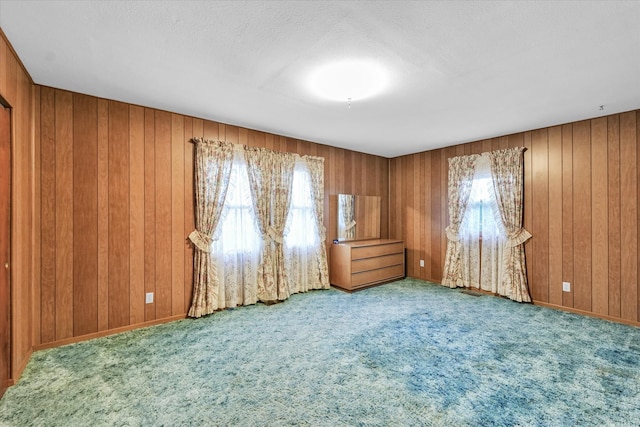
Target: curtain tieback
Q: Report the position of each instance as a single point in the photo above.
(201, 241)
(518, 238)
(451, 235)
(350, 225)
(274, 235)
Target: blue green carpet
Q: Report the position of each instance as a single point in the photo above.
(407, 353)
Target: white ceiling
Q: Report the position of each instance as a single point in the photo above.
(460, 71)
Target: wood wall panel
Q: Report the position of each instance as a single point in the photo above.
(48, 218)
(36, 218)
(581, 197)
(437, 223)
(613, 212)
(599, 217)
(119, 203)
(581, 216)
(191, 129)
(555, 214)
(136, 219)
(64, 214)
(85, 215)
(178, 240)
(540, 206)
(18, 93)
(138, 165)
(103, 215)
(163, 196)
(567, 212)
(629, 217)
(149, 211)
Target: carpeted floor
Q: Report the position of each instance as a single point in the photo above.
(407, 353)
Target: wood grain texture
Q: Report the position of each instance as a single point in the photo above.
(85, 215)
(149, 211)
(136, 212)
(190, 130)
(567, 212)
(437, 222)
(163, 214)
(18, 93)
(599, 217)
(178, 238)
(4, 63)
(5, 243)
(613, 190)
(103, 215)
(629, 217)
(540, 209)
(582, 228)
(555, 214)
(119, 186)
(36, 221)
(48, 216)
(64, 214)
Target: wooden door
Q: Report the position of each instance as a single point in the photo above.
(5, 197)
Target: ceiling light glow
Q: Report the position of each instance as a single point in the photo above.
(348, 80)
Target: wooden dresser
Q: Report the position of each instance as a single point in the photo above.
(361, 263)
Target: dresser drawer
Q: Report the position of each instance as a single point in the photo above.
(378, 275)
(366, 264)
(376, 251)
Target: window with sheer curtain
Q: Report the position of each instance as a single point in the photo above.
(485, 236)
(237, 244)
(302, 236)
(482, 232)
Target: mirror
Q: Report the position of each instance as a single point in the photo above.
(358, 217)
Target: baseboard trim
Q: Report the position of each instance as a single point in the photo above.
(23, 365)
(587, 313)
(108, 332)
(561, 308)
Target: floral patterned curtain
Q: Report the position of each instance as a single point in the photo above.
(316, 171)
(461, 170)
(507, 171)
(213, 161)
(270, 178)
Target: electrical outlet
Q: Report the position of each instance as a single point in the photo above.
(421, 263)
(566, 287)
(149, 298)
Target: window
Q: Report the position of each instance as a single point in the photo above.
(479, 220)
(301, 230)
(482, 232)
(237, 247)
(239, 230)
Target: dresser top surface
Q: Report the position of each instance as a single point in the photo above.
(370, 242)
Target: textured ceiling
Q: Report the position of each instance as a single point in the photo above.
(460, 71)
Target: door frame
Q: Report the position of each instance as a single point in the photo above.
(5, 105)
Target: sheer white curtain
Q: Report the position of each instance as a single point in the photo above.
(482, 233)
(301, 234)
(237, 245)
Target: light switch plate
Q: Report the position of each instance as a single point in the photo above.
(149, 298)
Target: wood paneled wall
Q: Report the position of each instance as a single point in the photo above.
(16, 89)
(117, 206)
(581, 206)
